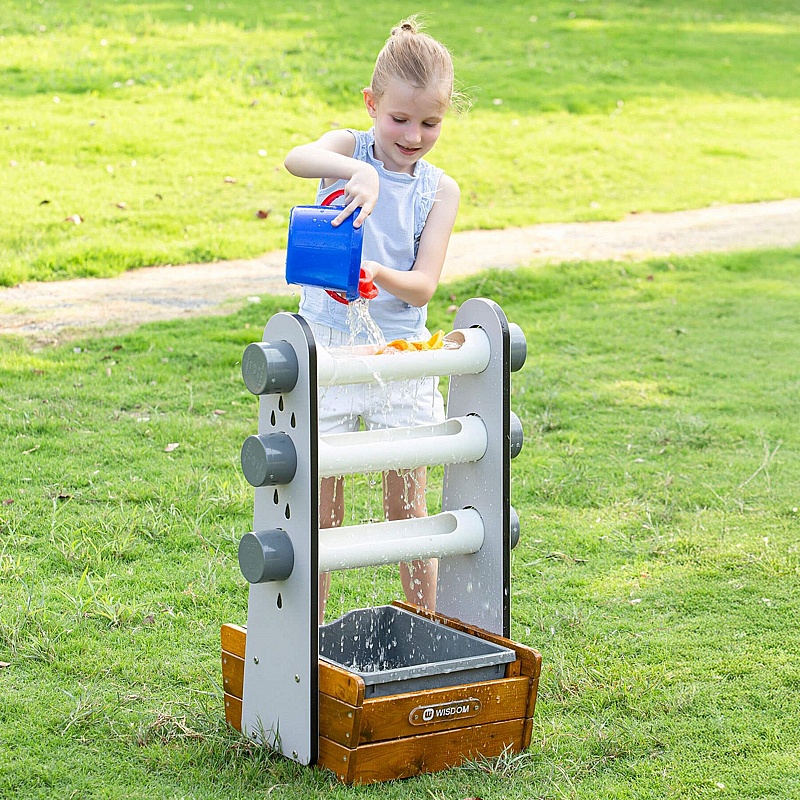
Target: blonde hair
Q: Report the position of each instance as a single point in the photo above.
(417, 59)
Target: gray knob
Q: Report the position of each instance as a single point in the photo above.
(514, 528)
(269, 459)
(266, 556)
(269, 367)
(517, 435)
(518, 345)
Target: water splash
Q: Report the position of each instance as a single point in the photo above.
(361, 324)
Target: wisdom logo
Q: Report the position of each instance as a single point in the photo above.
(456, 709)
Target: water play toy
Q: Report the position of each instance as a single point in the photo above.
(392, 691)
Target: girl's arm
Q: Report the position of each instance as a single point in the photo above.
(330, 158)
(417, 286)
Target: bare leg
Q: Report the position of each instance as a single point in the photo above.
(331, 514)
(404, 498)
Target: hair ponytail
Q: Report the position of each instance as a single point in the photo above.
(410, 24)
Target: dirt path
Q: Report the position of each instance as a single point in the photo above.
(51, 312)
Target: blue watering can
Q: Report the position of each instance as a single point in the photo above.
(317, 254)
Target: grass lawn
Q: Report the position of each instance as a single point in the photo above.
(163, 125)
(658, 571)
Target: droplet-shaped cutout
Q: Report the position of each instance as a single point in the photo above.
(272, 419)
(280, 600)
(280, 403)
(287, 512)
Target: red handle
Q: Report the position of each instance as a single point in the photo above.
(328, 201)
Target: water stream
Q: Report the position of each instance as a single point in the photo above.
(371, 586)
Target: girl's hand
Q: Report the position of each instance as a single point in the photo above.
(373, 268)
(361, 191)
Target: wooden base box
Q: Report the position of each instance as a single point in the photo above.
(366, 740)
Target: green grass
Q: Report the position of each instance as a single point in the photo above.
(658, 571)
(582, 110)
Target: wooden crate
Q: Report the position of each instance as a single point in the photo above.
(364, 740)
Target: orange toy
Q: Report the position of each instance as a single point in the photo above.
(436, 342)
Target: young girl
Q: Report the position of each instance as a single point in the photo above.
(408, 209)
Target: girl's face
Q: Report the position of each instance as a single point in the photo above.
(408, 122)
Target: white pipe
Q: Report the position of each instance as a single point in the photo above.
(466, 352)
(446, 534)
(456, 441)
